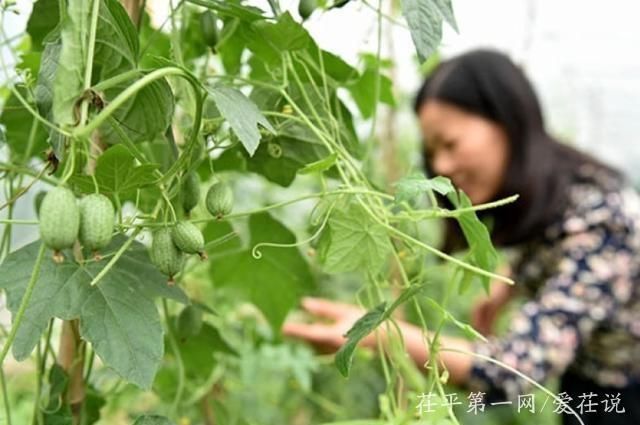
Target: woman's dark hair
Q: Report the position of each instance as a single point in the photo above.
(540, 169)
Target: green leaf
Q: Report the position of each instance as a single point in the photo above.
(117, 316)
(446, 10)
(411, 187)
(124, 331)
(284, 35)
(144, 116)
(334, 66)
(363, 92)
(231, 46)
(425, 24)
(365, 325)
(466, 328)
(353, 241)
(276, 281)
(153, 420)
(481, 250)
(93, 403)
(43, 19)
(116, 50)
(19, 123)
(154, 43)
(242, 114)
(281, 169)
(198, 352)
(327, 111)
(44, 91)
(117, 47)
(191, 35)
(117, 174)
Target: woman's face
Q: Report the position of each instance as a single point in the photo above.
(469, 149)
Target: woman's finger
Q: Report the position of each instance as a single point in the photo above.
(325, 308)
(310, 332)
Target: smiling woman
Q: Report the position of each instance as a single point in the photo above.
(470, 150)
(576, 233)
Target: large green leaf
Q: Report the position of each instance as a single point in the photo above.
(242, 114)
(481, 250)
(116, 50)
(274, 282)
(71, 62)
(144, 116)
(44, 91)
(198, 357)
(425, 23)
(117, 174)
(278, 159)
(231, 46)
(43, 19)
(117, 47)
(334, 67)
(446, 10)
(363, 92)
(117, 316)
(283, 35)
(353, 241)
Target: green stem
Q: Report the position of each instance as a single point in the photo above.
(376, 88)
(116, 80)
(301, 198)
(16, 221)
(176, 352)
(443, 213)
(5, 396)
(36, 402)
(257, 254)
(386, 16)
(515, 372)
(23, 304)
(123, 97)
(4, 167)
(116, 257)
(89, 62)
(441, 254)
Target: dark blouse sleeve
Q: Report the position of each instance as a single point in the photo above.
(590, 281)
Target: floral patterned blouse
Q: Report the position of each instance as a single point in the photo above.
(582, 280)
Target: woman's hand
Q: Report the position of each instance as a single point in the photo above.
(486, 311)
(327, 337)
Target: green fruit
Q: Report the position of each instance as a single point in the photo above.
(198, 151)
(189, 322)
(209, 25)
(188, 238)
(59, 219)
(306, 8)
(97, 218)
(165, 254)
(219, 199)
(190, 191)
